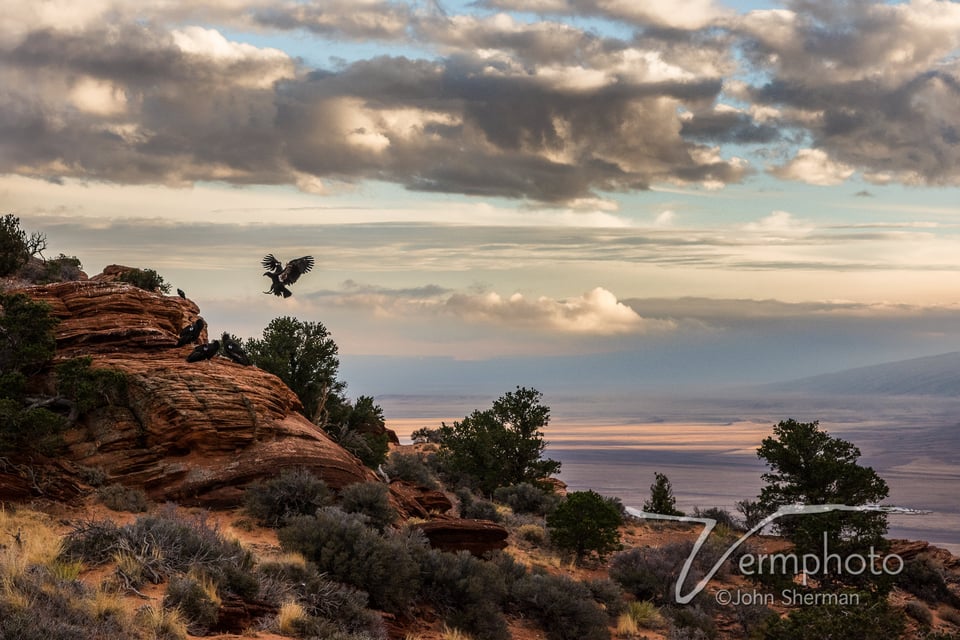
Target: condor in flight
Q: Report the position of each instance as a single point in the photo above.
(283, 276)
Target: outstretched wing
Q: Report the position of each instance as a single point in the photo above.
(270, 263)
(295, 269)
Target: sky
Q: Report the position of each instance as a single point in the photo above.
(569, 195)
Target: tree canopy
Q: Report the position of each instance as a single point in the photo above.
(305, 357)
(586, 522)
(809, 466)
(500, 446)
(661, 499)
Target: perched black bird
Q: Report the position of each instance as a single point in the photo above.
(191, 332)
(282, 276)
(181, 294)
(234, 351)
(204, 351)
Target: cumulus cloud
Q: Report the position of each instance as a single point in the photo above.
(870, 83)
(813, 166)
(541, 111)
(779, 223)
(596, 312)
(676, 14)
(492, 105)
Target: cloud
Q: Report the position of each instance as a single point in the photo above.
(813, 166)
(493, 103)
(869, 83)
(542, 111)
(779, 224)
(675, 14)
(596, 312)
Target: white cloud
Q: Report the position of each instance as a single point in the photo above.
(780, 224)
(596, 312)
(664, 219)
(98, 97)
(814, 166)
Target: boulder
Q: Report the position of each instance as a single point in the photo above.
(455, 534)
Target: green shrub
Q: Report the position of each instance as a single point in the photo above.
(647, 573)
(661, 497)
(387, 566)
(146, 279)
(645, 614)
(651, 573)
(467, 591)
(723, 517)
(35, 605)
(527, 498)
(164, 544)
(477, 508)
(90, 388)
(752, 513)
(196, 600)
(121, 498)
(371, 499)
(608, 594)
(294, 492)
(27, 327)
(410, 467)
(13, 245)
(562, 607)
(950, 615)
(923, 577)
(867, 621)
(39, 429)
(60, 269)
(919, 612)
(691, 622)
(532, 533)
(426, 435)
(686, 633)
(94, 476)
(321, 598)
(92, 541)
(586, 522)
(187, 543)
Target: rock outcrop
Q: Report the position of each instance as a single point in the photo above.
(195, 433)
(454, 534)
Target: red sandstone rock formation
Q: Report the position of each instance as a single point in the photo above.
(196, 433)
(454, 534)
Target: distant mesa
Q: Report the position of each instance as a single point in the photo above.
(927, 376)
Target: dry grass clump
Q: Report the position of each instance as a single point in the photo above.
(291, 618)
(161, 623)
(27, 538)
(639, 615)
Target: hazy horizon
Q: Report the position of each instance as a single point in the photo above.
(706, 445)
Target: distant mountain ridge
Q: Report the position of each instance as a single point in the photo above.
(927, 376)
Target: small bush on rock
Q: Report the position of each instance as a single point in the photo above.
(294, 492)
